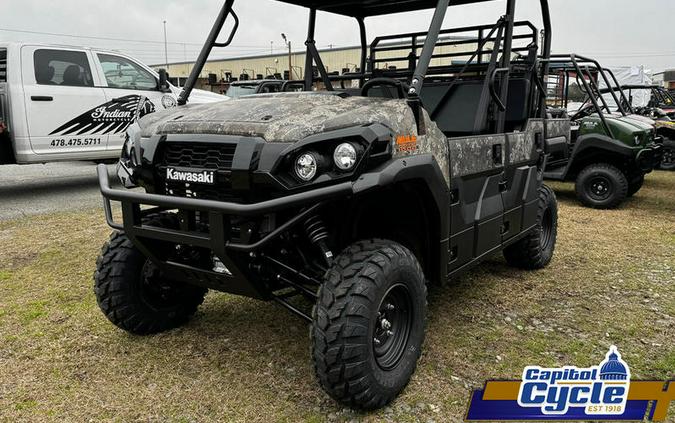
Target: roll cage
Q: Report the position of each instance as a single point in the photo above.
(660, 97)
(492, 60)
(588, 74)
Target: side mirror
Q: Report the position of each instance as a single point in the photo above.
(164, 81)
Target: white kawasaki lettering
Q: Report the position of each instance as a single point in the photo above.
(204, 177)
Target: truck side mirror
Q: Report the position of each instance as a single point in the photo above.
(164, 81)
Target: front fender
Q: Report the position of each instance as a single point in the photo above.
(602, 142)
(422, 167)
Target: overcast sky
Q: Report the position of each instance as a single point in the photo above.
(616, 32)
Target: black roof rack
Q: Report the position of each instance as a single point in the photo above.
(365, 8)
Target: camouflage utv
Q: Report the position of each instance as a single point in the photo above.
(346, 202)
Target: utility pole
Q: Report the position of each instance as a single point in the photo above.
(290, 57)
(271, 48)
(166, 49)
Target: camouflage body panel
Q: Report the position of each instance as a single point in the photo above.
(291, 117)
(521, 144)
(433, 142)
(556, 128)
(474, 154)
(469, 155)
(281, 117)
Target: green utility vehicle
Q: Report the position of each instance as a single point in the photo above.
(659, 110)
(607, 153)
(343, 205)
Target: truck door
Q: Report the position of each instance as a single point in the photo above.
(62, 102)
(127, 84)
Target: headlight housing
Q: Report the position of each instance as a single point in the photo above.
(345, 156)
(306, 166)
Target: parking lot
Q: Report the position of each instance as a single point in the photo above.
(612, 281)
(39, 189)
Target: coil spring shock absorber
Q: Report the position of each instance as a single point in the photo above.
(318, 234)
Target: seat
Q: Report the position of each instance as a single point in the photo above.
(457, 115)
(44, 75)
(73, 76)
(517, 106)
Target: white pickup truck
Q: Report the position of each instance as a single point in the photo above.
(61, 103)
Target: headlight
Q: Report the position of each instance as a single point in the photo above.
(345, 156)
(637, 140)
(306, 167)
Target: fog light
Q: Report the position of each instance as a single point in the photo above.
(345, 156)
(306, 166)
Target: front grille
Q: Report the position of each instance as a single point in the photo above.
(197, 156)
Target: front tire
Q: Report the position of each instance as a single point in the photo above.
(132, 293)
(535, 251)
(368, 324)
(601, 186)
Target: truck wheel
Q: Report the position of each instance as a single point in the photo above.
(132, 293)
(535, 251)
(668, 161)
(368, 324)
(635, 184)
(602, 186)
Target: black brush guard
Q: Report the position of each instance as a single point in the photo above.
(239, 280)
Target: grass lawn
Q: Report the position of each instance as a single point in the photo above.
(612, 281)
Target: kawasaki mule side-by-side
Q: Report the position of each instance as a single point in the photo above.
(660, 109)
(607, 153)
(346, 202)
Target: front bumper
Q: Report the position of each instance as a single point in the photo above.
(239, 279)
(650, 157)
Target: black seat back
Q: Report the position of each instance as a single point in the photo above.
(517, 106)
(456, 116)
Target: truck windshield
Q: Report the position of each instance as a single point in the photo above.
(236, 91)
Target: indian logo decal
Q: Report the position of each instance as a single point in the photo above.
(112, 117)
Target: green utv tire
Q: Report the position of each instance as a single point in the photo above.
(535, 251)
(131, 291)
(602, 186)
(668, 161)
(368, 324)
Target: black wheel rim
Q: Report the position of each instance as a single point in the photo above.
(599, 188)
(155, 291)
(393, 326)
(668, 158)
(546, 229)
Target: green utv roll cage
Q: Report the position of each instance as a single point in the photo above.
(501, 33)
(587, 73)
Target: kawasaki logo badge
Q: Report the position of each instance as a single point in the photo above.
(206, 177)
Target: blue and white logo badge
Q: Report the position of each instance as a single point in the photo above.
(601, 390)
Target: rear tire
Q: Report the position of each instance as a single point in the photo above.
(368, 324)
(601, 186)
(535, 251)
(635, 185)
(132, 293)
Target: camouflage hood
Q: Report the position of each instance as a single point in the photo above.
(283, 117)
